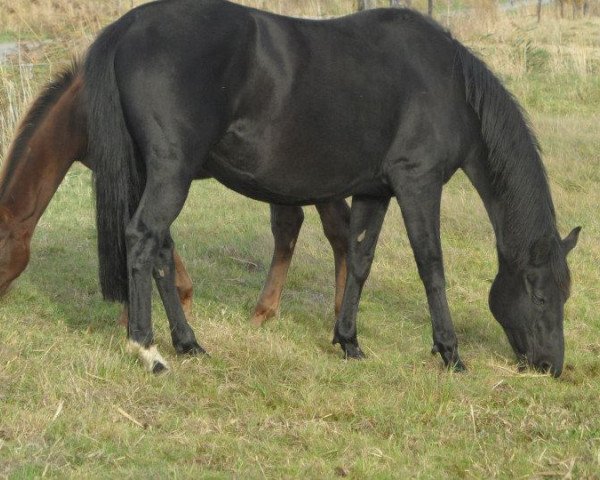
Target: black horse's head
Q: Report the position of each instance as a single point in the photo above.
(529, 303)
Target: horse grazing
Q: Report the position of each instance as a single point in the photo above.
(375, 105)
(53, 135)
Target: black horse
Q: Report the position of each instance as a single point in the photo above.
(375, 105)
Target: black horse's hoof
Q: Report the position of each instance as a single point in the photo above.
(192, 348)
(350, 347)
(458, 366)
(450, 357)
(159, 367)
(352, 351)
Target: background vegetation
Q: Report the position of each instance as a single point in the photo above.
(279, 401)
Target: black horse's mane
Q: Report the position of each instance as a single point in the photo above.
(36, 113)
(513, 160)
(514, 167)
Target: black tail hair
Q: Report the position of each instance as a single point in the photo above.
(513, 154)
(118, 181)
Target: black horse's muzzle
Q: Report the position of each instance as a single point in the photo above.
(546, 365)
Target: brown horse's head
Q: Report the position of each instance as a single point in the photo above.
(14, 250)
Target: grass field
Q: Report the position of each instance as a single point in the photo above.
(278, 402)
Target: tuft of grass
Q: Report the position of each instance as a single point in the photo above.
(279, 402)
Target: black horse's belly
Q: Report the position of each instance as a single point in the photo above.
(261, 160)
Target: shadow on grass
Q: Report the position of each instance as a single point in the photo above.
(61, 283)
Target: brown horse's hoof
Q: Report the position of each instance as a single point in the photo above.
(149, 356)
(261, 315)
(258, 320)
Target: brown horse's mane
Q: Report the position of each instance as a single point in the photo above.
(36, 113)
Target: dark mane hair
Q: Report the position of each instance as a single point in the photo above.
(36, 113)
(513, 154)
(514, 166)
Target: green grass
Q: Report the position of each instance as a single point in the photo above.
(279, 402)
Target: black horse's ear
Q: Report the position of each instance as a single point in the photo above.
(570, 240)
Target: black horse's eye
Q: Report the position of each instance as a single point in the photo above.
(538, 300)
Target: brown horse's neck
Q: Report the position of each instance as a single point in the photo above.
(34, 168)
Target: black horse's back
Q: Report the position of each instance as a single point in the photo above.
(277, 101)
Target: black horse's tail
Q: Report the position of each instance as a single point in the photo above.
(118, 180)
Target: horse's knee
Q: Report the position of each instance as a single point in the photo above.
(142, 248)
(163, 263)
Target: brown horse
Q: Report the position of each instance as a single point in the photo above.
(53, 135)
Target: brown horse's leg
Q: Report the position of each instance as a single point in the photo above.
(285, 225)
(124, 318)
(183, 282)
(335, 217)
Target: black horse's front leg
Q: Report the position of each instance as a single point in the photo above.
(419, 200)
(366, 219)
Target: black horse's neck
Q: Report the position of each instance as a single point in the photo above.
(521, 213)
(509, 173)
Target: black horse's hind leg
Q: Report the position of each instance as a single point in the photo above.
(164, 271)
(366, 218)
(335, 217)
(142, 247)
(419, 199)
(163, 198)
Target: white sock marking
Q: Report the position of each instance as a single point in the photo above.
(149, 356)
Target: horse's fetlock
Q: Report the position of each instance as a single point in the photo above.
(189, 348)
(149, 356)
